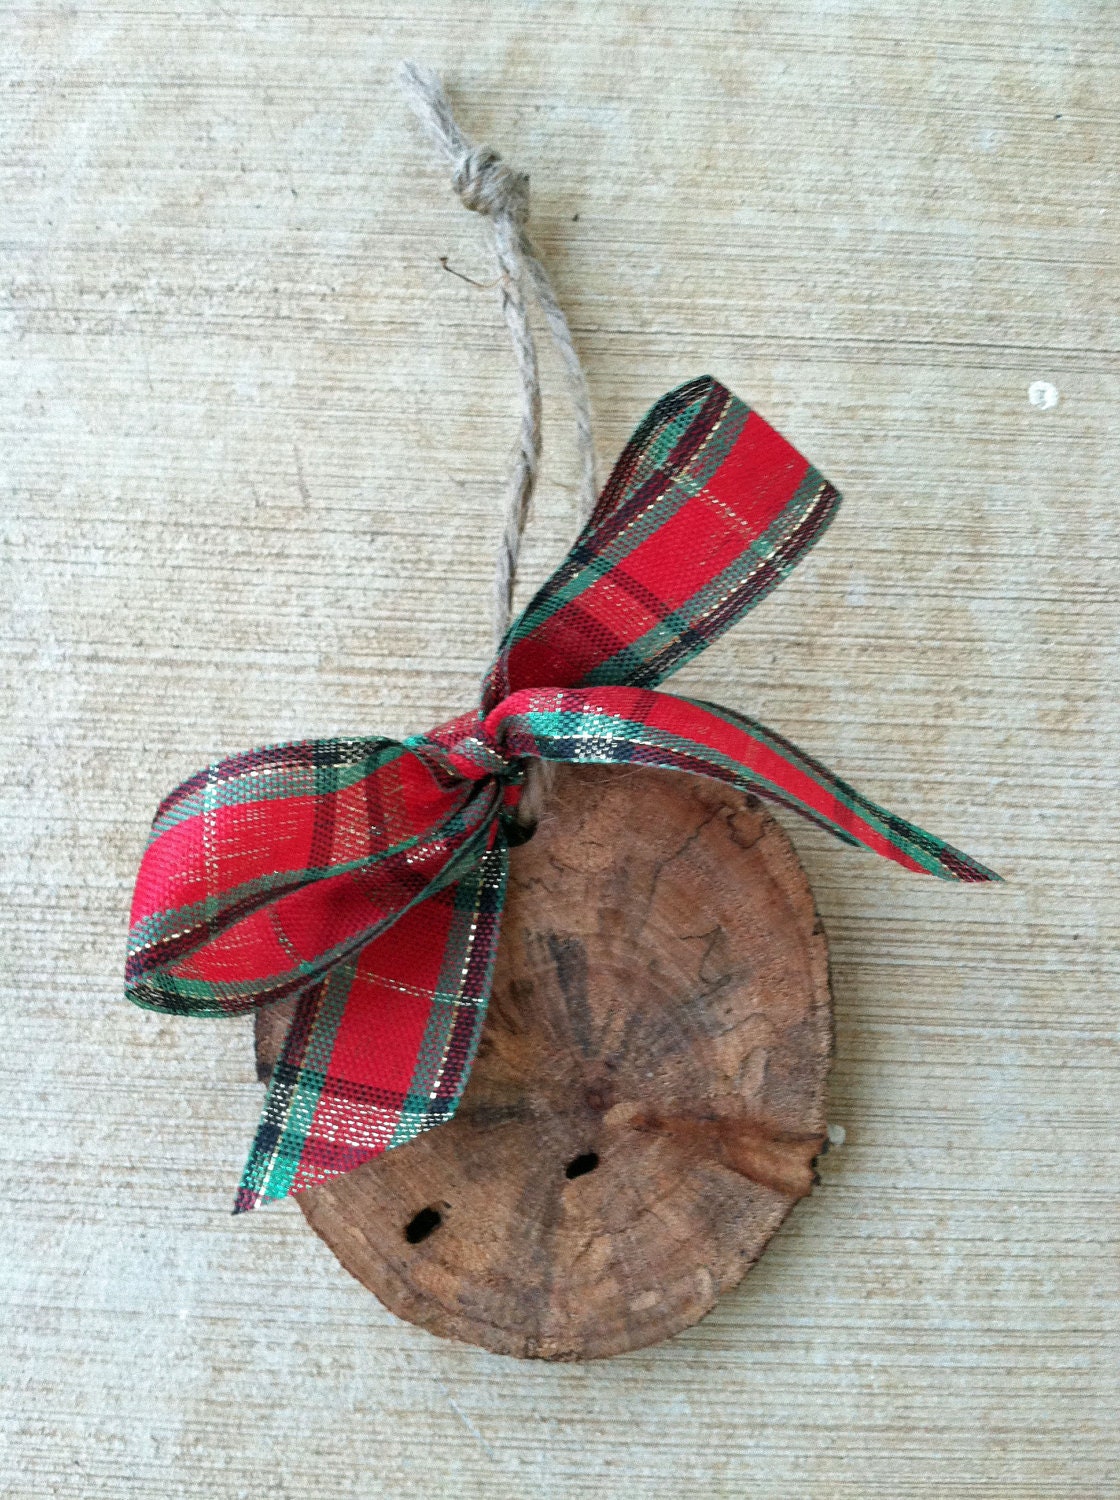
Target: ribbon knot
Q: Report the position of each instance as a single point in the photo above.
(467, 746)
(366, 877)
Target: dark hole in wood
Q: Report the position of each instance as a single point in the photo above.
(517, 833)
(420, 1227)
(587, 1161)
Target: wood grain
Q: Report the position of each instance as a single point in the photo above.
(253, 439)
(647, 1103)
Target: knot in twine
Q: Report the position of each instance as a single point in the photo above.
(488, 185)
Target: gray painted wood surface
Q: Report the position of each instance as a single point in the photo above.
(252, 449)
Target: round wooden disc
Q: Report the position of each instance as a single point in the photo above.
(648, 1098)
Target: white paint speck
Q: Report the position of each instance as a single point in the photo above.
(1042, 394)
(837, 1135)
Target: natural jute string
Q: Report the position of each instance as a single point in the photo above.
(489, 186)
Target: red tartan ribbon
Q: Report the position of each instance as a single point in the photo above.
(367, 876)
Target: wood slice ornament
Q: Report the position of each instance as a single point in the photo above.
(647, 1101)
(648, 1098)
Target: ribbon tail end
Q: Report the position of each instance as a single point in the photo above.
(954, 864)
(246, 1200)
(979, 875)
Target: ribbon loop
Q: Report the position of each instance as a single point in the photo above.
(707, 510)
(366, 877)
(267, 869)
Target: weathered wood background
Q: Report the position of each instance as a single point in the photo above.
(253, 439)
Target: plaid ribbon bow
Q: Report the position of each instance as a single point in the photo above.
(367, 876)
